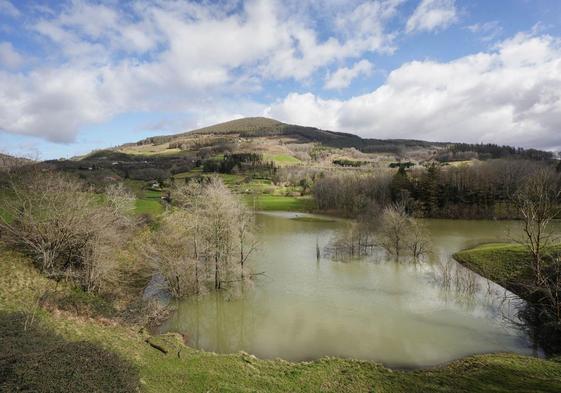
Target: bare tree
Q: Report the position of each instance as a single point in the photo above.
(171, 254)
(245, 228)
(354, 241)
(418, 243)
(394, 234)
(551, 289)
(537, 201)
(219, 209)
(120, 199)
(205, 242)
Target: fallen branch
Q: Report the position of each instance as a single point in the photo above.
(158, 347)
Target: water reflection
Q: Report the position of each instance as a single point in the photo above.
(401, 314)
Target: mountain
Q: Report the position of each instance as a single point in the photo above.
(261, 127)
(237, 145)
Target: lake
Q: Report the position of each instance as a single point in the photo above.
(400, 314)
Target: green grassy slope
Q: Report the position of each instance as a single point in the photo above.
(60, 352)
(503, 263)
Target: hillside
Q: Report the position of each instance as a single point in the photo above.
(264, 135)
(7, 161)
(261, 127)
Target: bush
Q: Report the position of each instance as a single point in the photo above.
(65, 229)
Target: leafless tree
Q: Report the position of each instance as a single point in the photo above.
(400, 233)
(204, 242)
(418, 242)
(245, 228)
(395, 227)
(172, 255)
(551, 288)
(120, 199)
(354, 241)
(537, 201)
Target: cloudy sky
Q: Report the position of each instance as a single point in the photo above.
(78, 75)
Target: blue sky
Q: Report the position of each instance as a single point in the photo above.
(80, 75)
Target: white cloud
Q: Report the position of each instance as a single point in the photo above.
(7, 8)
(511, 95)
(344, 76)
(51, 103)
(102, 60)
(488, 30)
(432, 15)
(9, 57)
(307, 109)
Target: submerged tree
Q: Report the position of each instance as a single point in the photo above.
(354, 241)
(171, 253)
(204, 242)
(400, 233)
(419, 243)
(394, 232)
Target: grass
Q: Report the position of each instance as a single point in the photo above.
(150, 150)
(147, 200)
(88, 354)
(282, 159)
(280, 203)
(504, 263)
(311, 219)
(4, 215)
(261, 191)
(151, 207)
(500, 262)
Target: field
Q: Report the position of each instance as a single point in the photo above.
(280, 203)
(260, 193)
(282, 159)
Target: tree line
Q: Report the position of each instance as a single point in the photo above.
(463, 151)
(478, 190)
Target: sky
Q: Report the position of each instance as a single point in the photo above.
(79, 75)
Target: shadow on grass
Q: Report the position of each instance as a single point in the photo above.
(37, 359)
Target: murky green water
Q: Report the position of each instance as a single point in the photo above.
(399, 314)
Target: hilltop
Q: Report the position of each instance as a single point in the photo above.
(255, 128)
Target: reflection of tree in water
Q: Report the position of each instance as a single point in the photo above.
(352, 242)
(394, 232)
(230, 322)
(462, 281)
(473, 292)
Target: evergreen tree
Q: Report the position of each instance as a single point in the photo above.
(400, 186)
(430, 190)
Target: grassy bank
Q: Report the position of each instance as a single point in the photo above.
(506, 264)
(503, 263)
(65, 351)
